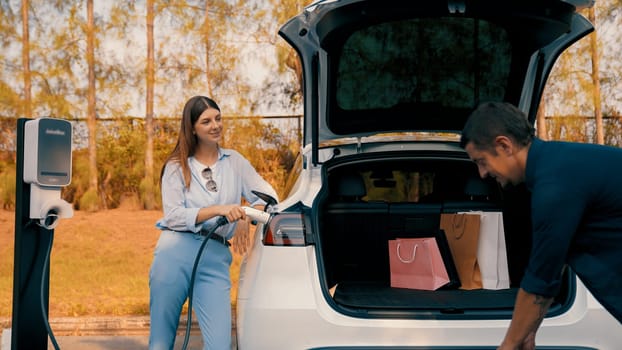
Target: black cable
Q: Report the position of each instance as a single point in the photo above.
(46, 262)
(221, 221)
(31, 267)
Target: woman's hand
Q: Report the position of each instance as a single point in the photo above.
(233, 212)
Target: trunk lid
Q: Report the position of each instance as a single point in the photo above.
(374, 67)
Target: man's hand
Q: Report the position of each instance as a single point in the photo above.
(529, 343)
(529, 311)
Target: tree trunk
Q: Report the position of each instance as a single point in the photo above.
(91, 114)
(26, 60)
(148, 195)
(541, 121)
(598, 114)
(206, 31)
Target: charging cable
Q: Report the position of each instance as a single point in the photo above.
(254, 214)
(46, 263)
(221, 221)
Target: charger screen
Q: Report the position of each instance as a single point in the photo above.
(54, 158)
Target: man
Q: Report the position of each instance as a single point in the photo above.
(576, 200)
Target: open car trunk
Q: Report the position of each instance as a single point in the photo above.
(371, 199)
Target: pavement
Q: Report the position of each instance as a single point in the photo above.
(102, 333)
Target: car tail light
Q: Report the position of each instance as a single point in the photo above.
(285, 229)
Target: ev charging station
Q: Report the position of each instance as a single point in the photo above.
(43, 167)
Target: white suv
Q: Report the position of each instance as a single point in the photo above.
(387, 88)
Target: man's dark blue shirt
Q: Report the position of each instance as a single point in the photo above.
(577, 219)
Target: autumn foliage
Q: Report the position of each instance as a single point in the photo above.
(121, 163)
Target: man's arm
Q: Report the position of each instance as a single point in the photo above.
(529, 311)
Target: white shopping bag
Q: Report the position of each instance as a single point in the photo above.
(492, 256)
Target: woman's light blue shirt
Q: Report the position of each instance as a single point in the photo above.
(235, 178)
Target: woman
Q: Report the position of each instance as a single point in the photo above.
(201, 182)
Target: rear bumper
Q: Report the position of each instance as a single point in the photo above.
(306, 329)
(288, 310)
(443, 348)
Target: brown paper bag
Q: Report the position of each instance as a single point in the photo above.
(462, 232)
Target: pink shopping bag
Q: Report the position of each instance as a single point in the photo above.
(416, 263)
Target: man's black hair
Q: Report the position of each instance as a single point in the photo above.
(492, 119)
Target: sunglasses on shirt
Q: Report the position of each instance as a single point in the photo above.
(210, 184)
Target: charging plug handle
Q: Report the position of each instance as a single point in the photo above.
(256, 215)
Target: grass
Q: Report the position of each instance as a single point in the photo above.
(99, 264)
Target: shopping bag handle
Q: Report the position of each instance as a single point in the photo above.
(399, 256)
(408, 261)
(460, 227)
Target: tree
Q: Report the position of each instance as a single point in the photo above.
(567, 93)
(26, 60)
(91, 111)
(10, 98)
(595, 58)
(283, 11)
(148, 181)
(541, 121)
(206, 42)
(287, 84)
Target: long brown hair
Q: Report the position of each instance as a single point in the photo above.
(187, 140)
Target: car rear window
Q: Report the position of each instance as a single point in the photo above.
(423, 74)
(421, 63)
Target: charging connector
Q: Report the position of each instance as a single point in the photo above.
(256, 215)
